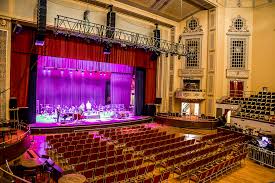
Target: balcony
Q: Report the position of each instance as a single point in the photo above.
(190, 95)
(190, 72)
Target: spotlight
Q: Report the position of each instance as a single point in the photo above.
(17, 28)
(62, 72)
(107, 49)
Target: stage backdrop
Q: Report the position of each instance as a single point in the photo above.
(69, 82)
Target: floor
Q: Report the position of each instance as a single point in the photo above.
(250, 172)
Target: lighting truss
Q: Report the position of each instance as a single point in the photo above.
(85, 29)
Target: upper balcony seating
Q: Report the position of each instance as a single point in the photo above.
(257, 107)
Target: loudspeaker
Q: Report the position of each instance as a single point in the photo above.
(85, 15)
(13, 103)
(111, 23)
(41, 22)
(157, 37)
(107, 48)
(150, 110)
(158, 100)
(17, 28)
(154, 56)
(23, 114)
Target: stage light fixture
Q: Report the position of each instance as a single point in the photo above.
(107, 49)
(17, 28)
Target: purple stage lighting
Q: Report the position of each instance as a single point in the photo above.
(74, 89)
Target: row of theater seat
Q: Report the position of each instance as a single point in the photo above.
(218, 169)
(107, 159)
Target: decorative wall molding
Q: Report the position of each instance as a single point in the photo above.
(191, 28)
(192, 25)
(190, 95)
(238, 24)
(237, 74)
(190, 73)
(4, 22)
(3, 57)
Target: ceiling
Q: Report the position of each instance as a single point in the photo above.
(172, 9)
(175, 10)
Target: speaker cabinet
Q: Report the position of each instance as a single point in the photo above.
(41, 22)
(111, 24)
(13, 103)
(158, 100)
(157, 38)
(150, 110)
(23, 114)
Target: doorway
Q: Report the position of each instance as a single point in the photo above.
(236, 88)
(190, 109)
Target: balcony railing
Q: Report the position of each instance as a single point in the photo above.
(191, 72)
(190, 94)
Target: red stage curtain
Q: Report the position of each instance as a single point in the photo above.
(21, 49)
(76, 48)
(60, 46)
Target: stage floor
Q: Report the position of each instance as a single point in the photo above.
(53, 127)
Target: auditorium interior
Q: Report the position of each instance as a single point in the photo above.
(137, 91)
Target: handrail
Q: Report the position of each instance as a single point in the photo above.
(20, 137)
(14, 176)
(8, 166)
(190, 90)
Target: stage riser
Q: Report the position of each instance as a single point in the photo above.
(187, 123)
(62, 129)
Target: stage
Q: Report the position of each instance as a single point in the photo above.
(86, 124)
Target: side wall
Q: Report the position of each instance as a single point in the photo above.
(263, 50)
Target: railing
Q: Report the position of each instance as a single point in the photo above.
(190, 94)
(236, 94)
(20, 126)
(10, 177)
(240, 93)
(262, 156)
(101, 33)
(190, 90)
(21, 143)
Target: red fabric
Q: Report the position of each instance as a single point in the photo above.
(60, 46)
(21, 49)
